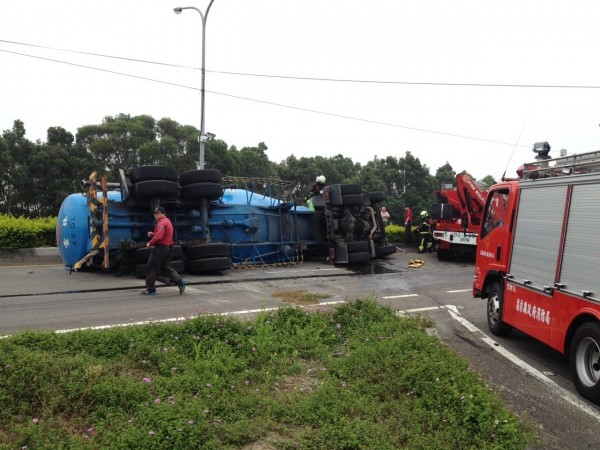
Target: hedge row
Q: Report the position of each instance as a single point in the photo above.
(19, 232)
(395, 233)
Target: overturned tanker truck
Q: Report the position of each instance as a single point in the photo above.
(219, 222)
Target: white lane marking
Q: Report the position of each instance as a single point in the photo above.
(404, 312)
(183, 319)
(459, 290)
(563, 393)
(401, 296)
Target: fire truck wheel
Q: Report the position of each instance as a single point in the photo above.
(495, 304)
(444, 255)
(584, 357)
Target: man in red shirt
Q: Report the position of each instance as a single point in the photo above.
(408, 220)
(161, 242)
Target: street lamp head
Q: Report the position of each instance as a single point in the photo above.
(177, 10)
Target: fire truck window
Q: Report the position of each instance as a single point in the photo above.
(495, 213)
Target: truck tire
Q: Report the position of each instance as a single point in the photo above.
(495, 305)
(376, 196)
(146, 173)
(357, 246)
(358, 257)
(350, 188)
(209, 250)
(444, 255)
(584, 355)
(200, 176)
(207, 190)
(155, 188)
(353, 199)
(208, 265)
(384, 250)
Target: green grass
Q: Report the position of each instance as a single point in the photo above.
(355, 377)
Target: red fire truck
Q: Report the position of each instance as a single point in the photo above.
(538, 261)
(457, 217)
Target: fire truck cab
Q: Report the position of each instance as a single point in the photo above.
(538, 262)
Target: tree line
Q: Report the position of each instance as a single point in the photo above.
(37, 176)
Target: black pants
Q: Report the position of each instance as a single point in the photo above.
(408, 233)
(158, 264)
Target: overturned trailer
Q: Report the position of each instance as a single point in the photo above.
(219, 222)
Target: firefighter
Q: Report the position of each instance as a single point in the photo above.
(425, 236)
(317, 188)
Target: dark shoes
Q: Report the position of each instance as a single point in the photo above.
(180, 284)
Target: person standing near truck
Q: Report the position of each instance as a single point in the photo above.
(408, 219)
(161, 243)
(385, 216)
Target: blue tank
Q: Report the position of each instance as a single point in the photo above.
(253, 228)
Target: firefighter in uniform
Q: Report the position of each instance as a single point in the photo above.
(425, 236)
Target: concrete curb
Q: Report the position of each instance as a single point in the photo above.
(40, 255)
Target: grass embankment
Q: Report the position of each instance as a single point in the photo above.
(357, 377)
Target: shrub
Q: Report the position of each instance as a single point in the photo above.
(19, 232)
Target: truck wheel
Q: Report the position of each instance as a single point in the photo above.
(376, 197)
(495, 305)
(444, 255)
(350, 189)
(208, 190)
(358, 257)
(155, 188)
(385, 250)
(208, 265)
(146, 173)
(200, 176)
(585, 360)
(353, 199)
(209, 250)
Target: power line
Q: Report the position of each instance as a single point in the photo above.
(335, 80)
(424, 130)
(99, 69)
(266, 102)
(411, 83)
(97, 54)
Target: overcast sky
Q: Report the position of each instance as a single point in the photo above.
(414, 73)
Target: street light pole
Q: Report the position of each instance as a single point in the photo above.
(201, 137)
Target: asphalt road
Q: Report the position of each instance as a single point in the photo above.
(532, 379)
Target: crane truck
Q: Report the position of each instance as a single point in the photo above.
(538, 260)
(457, 217)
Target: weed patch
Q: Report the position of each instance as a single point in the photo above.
(356, 377)
(300, 297)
